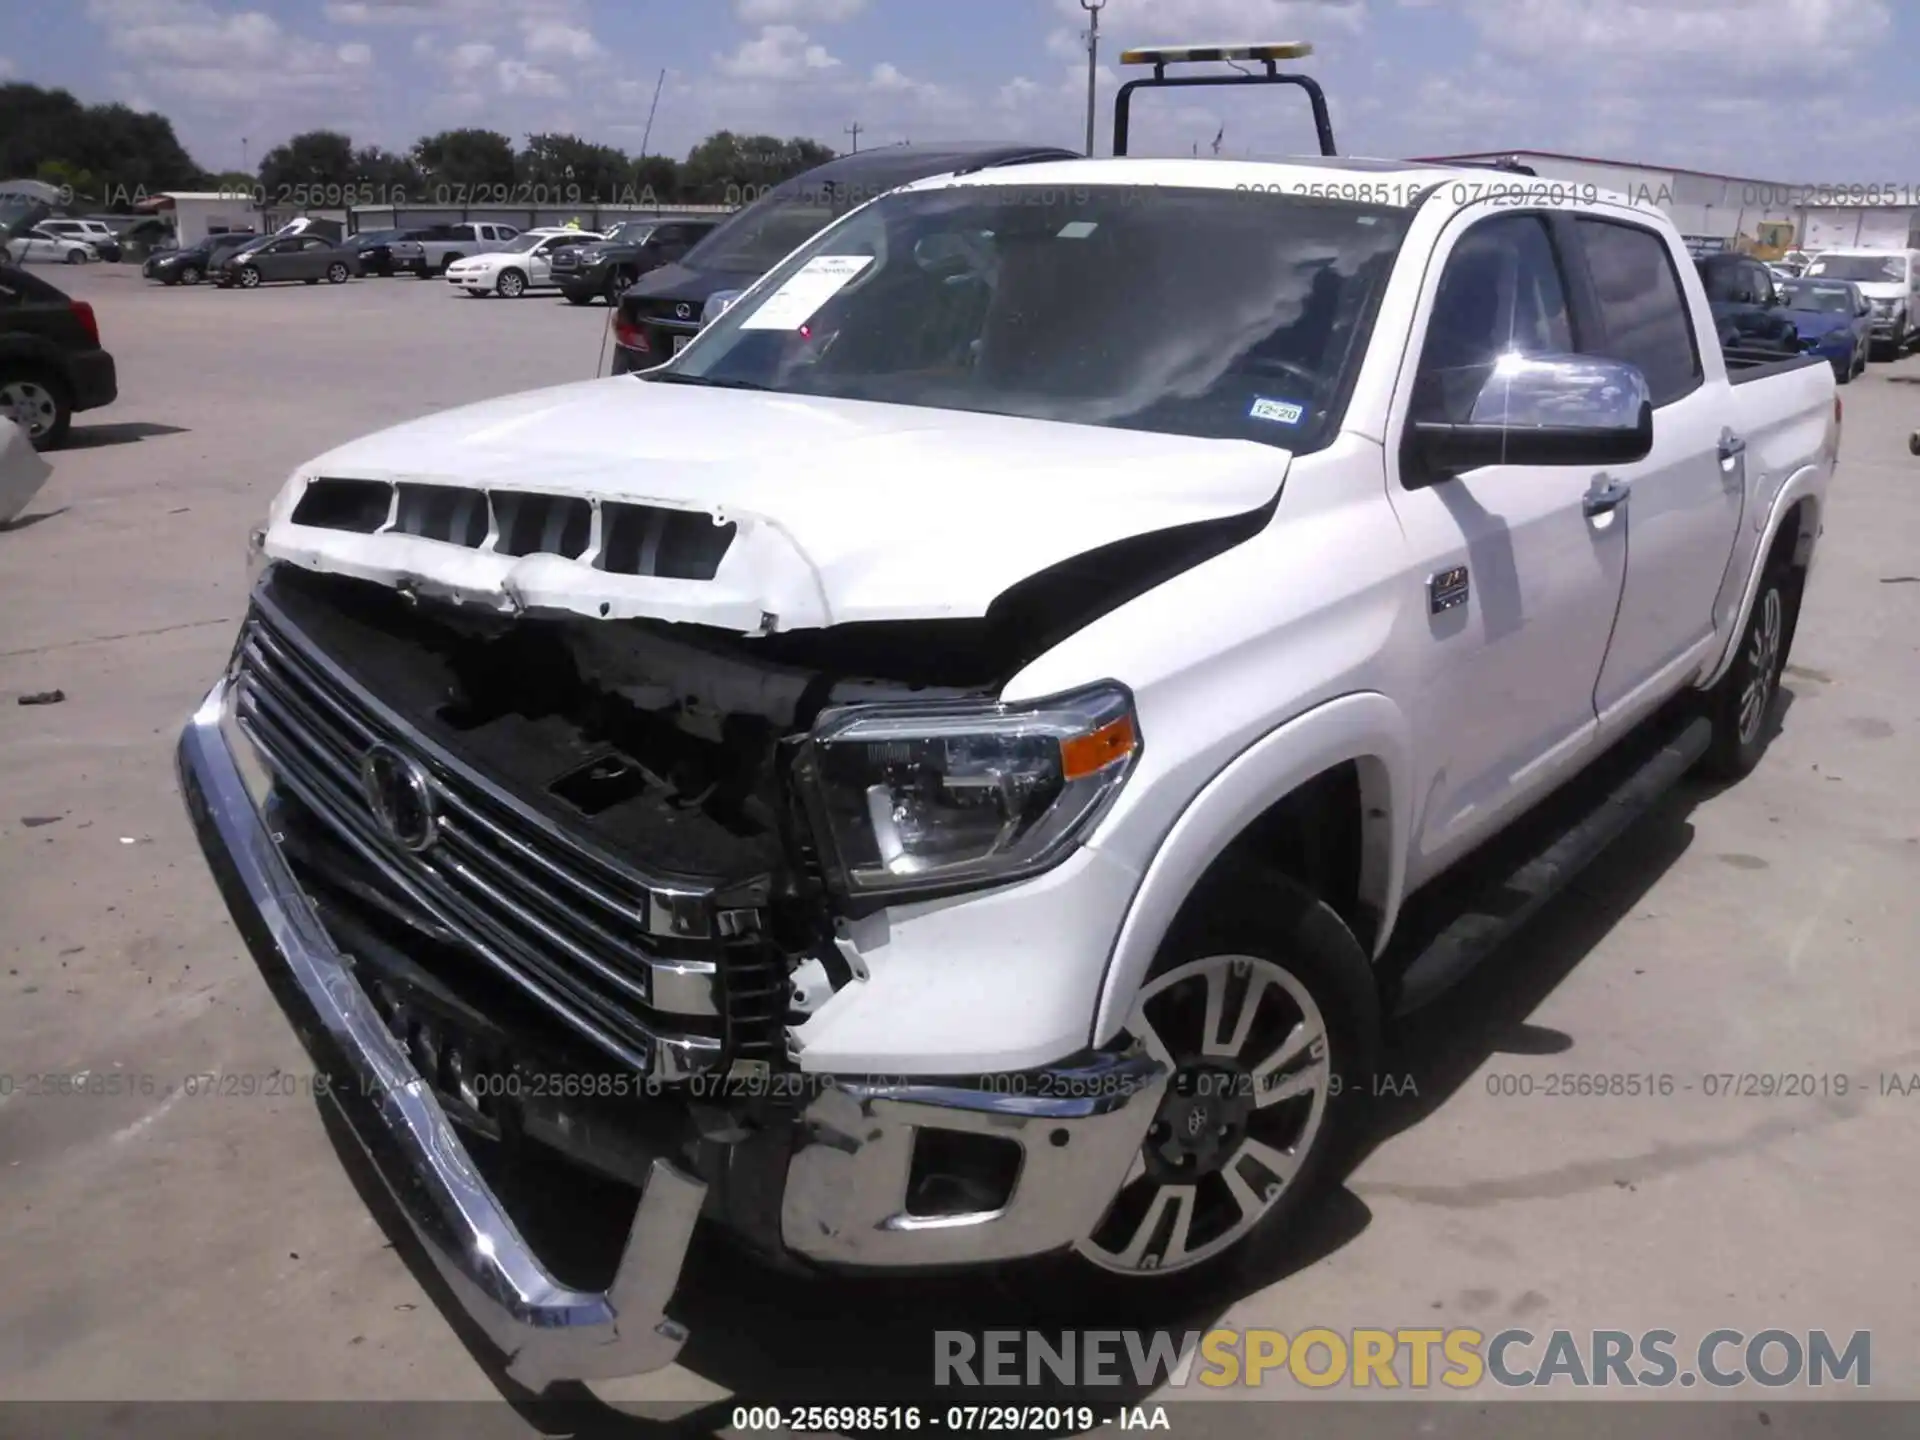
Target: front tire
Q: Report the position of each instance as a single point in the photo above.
(511, 284)
(1267, 1011)
(76, 257)
(191, 275)
(249, 278)
(1744, 705)
(337, 273)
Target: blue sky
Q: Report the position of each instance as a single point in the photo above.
(1795, 90)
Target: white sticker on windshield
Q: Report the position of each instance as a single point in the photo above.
(805, 291)
(1077, 230)
(1286, 412)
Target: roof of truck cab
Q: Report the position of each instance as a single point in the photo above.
(1410, 179)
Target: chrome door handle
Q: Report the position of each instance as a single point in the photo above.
(1732, 447)
(1603, 497)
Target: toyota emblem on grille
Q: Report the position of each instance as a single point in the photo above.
(683, 310)
(401, 798)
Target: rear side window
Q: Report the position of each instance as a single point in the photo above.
(1501, 292)
(1643, 310)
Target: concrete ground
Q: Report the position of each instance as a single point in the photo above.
(164, 1246)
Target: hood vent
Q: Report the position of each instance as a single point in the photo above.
(617, 537)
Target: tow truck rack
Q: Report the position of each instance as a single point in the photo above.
(1162, 56)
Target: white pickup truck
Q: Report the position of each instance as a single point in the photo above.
(929, 776)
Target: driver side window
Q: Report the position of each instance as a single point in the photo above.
(1501, 293)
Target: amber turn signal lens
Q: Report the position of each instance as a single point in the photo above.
(1085, 754)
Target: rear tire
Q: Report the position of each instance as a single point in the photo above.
(1278, 1088)
(575, 298)
(38, 401)
(1744, 704)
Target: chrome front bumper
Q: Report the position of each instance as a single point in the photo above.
(844, 1202)
(547, 1330)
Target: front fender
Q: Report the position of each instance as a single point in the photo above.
(1750, 558)
(1367, 728)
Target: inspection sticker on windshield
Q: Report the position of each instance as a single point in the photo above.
(1284, 412)
(805, 291)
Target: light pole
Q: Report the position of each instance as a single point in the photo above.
(1093, 8)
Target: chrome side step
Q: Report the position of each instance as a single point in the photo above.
(1487, 923)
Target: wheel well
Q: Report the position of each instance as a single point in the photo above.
(1793, 542)
(1316, 834)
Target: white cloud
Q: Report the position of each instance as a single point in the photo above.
(1200, 22)
(554, 40)
(518, 77)
(778, 52)
(466, 15)
(474, 55)
(233, 67)
(6, 65)
(773, 12)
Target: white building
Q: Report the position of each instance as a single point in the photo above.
(196, 214)
(1731, 211)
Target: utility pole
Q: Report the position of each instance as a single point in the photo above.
(854, 130)
(647, 133)
(243, 156)
(1093, 8)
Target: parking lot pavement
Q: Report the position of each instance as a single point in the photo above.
(170, 1246)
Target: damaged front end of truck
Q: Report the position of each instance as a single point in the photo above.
(538, 876)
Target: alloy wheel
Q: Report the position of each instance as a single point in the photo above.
(31, 405)
(1251, 1076)
(1763, 664)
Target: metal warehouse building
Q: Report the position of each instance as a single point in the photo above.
(1763, 217)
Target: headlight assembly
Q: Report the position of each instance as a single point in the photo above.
(942, 796)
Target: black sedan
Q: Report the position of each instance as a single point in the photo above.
(51, 362)
(632, 248)
(191, 265)
(374, 248)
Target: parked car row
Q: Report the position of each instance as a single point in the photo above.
(1847, 307)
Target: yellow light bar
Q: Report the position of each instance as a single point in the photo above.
(1180, 54)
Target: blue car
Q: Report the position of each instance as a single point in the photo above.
(1835, 322)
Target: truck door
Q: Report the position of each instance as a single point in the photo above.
(1516, 585)
(1684, 500)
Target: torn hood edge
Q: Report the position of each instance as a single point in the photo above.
(826, 564)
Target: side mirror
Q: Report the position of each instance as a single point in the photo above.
(1546, 410)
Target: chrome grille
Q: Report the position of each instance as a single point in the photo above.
(567, 925)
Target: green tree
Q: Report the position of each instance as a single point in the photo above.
(123, 154)
(384, 178)
(565, 166)
(464, 159)
(726, 168)
(656, 179)
(315, 168)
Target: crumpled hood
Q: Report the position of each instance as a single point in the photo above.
(845, 510)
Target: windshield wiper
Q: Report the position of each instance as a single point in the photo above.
(672, 378)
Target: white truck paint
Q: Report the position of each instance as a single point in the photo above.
(1460, 643)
